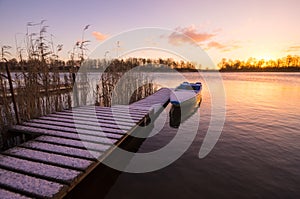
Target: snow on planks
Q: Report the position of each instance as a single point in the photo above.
(54, 173)
(11, 195)
(70, 144)
(31, 186)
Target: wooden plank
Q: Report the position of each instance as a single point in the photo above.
(154, 100)
(151, 102)
(99, 117)
(111, 114)
(62, 150)
(161, 96)
(59, 131)
(93, 115)
(79, 123)
(5, 194)
(122, 109)
(41, 170)
(132, 106)
(70, 126)
(116, 111)
(70, 118)
(49, 158)
(73, 143)
(39, 130)
(29, 185)
(107, 113)
(148, 106)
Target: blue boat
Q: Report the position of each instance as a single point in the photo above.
(187, 94)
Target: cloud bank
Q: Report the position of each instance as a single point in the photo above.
(221, 47)
(188, 35)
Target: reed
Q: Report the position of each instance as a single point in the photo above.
(121, 86)
(39, 87)
(42, 84)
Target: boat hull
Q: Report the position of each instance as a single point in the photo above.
(191, 102)
(185, 100)
(181, 112)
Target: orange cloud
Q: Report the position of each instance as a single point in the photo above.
(214, 44)
(188, 35)
(99, 36)
(293, 49)
(222, 47)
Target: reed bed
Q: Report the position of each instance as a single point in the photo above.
(37, 91)
(44, 89)
(122, 87)
(43, 84)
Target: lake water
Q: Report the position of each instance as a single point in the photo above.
(256, 156)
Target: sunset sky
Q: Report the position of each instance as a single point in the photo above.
(231, 29)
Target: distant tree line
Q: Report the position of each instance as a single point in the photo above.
(285, 64)
(102, 64)
(132, 62)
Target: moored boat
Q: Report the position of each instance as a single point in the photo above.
(187, 94)
(185, 100)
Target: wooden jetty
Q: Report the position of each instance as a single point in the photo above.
(61, 156)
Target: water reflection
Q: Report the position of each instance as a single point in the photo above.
(257, 155)
(179, 114)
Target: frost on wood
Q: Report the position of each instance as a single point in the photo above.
(55, 131)
(73, 143)
(40, 169)
(5, 194)
(81, 153)
(31, 185)
(75, 163)
(94, 122)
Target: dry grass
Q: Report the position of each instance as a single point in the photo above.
(122, 87)
(40, 87)
(38, 92)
